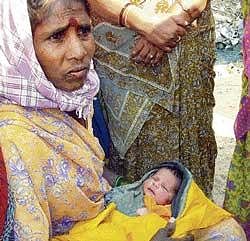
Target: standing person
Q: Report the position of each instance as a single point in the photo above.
(237, 199)
(165, 111)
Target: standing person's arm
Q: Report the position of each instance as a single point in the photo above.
(160, 30)
(188, 10)
(111, 10)
(191, 8)
(136, 18)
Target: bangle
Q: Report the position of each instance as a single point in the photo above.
(185, 10)
(123, 14)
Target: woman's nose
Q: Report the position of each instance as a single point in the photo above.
(76, 48)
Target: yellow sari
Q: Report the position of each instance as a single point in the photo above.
(54, 167)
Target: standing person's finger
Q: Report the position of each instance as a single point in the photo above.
(157, 58)
(181, 21)
(141, 56)
(180, 31)
(137, 48)
(150, 56)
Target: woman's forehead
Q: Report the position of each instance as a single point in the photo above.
(64, 9)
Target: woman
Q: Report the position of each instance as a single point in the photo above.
(237, 198)
(54, 163)
(160, 112)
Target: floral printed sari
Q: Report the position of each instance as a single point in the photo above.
(54, 167)
(237, 198)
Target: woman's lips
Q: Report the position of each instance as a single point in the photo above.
(79, 74)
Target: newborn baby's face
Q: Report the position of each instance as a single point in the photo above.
(162, 186)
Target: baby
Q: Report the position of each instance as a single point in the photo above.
(162, 188)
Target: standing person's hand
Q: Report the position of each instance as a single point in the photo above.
(165, 33)
(146, 53)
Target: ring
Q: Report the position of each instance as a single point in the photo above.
(151, 56)
(178, 39)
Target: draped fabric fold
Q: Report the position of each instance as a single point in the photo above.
(194, 212)
(129, 95)
(237, 198)
(4, 193)
(60, 182)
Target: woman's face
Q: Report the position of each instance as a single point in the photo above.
(64, 45)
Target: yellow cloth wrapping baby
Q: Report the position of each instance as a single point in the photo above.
(163, 211)
(112, 225)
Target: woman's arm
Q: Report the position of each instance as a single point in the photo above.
(110, 12)
(189, 9)
(138, 19)
(162, 30)
(167, 29)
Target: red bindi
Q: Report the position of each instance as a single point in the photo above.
(73, 22)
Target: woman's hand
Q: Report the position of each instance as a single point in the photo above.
(146, 53)
(165, 33)
(164, 234)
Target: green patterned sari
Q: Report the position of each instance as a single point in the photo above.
(159, 113)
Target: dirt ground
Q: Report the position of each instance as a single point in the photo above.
(227, 92)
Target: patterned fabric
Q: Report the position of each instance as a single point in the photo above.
(161, 113)
(4, 193)
(246, 46)
(242, 122)
(8, 234)
(22, 80)
(54, 168)
(227, 230)
(237, 199)
(245, 7)
(199, 215)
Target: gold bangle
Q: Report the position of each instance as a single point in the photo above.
(125, 16)
(121, 15)
(188, 11)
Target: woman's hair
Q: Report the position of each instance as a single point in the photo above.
(40, 9)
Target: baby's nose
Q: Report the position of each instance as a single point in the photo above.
(155, 184)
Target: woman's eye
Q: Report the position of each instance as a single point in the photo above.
(57, 36)
(84, 31)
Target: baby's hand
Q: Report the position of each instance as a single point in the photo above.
(142, 211)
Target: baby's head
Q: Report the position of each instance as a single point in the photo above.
(163, 185)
